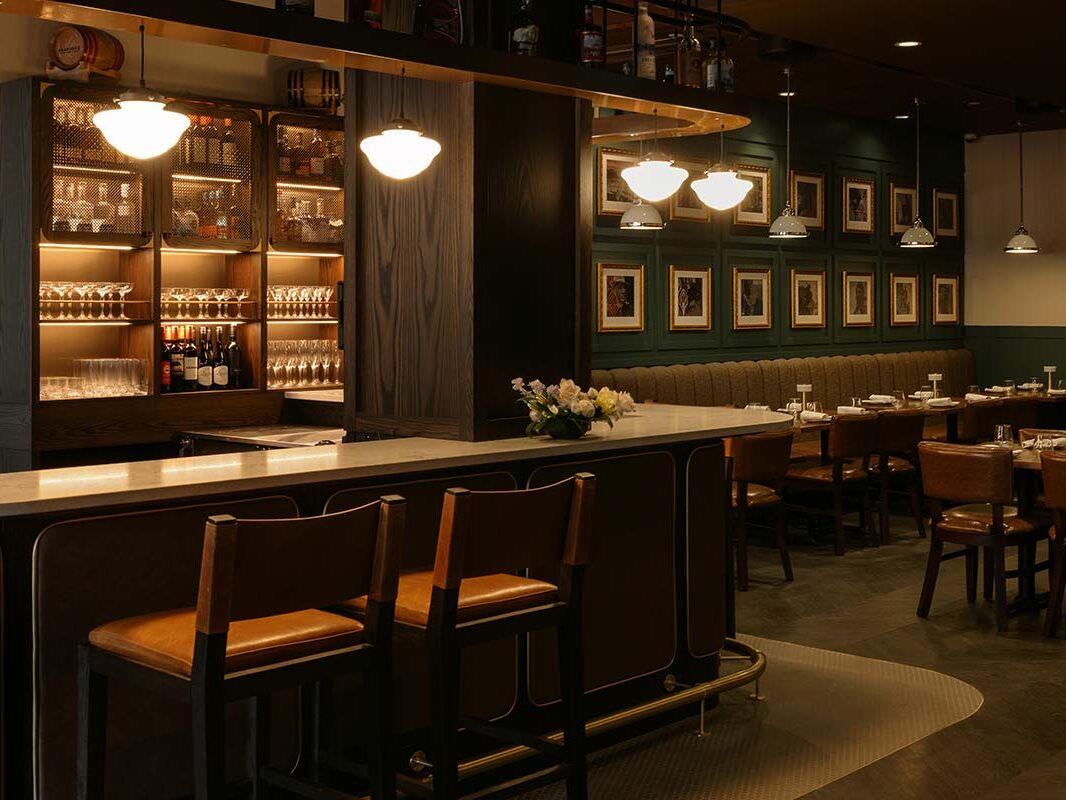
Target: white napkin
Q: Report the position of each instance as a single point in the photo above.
(790, 407)
(1056, 391)
(971, 397)
(940, 402)
(1031, 386)
(881, 398)
(1057, 442)
(997, 388)
(850, 410)
(814, 416)
(921, 395)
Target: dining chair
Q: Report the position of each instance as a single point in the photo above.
(979, 420)
(970, 491)
(1021, 412)
(1053, 467)
(843, 472)
(896, 458)
(760, 463)
(257, 627)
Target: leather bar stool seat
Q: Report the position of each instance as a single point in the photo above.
(165, 641)
(479, 597)
(977, 518)
(896, 466)
(758, 495)
(823, 473)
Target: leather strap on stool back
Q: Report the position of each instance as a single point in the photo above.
(853, 436)
(262, 568)
(1053, 466)
(900, 431)
(760, 458)
(964, 474)
(485, 533)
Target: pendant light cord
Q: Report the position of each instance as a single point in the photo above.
(917, 159)
(1021, 180)
(788, 129)
(403, 84)
(142, 55)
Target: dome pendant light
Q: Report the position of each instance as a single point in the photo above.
(1021, 243)
(400, 151)
(141, 127)
(720, 188)
(642, 217)
(655, 178)
(788, 225)
(917, 236)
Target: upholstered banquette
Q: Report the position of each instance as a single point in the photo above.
(836, 379)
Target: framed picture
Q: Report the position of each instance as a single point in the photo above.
(903, 302)
(858, 205)
(684, 205)
(945, 214)
(614, 195)
(690, 298)
(807, 193)
(945, 299)
(751, 298)
(904, 201)
(754, 209)
(808, 299)
(621, 297)
(858, 299)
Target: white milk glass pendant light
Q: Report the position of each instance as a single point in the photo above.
(141, 127)
(720, 188)
(400, 151)
(1021, 243)
(641, 217)
(788, 225)
(655, 178)
(917, 236)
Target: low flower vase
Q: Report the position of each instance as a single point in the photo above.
(567, 427)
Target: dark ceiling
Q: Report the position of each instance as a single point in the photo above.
(976, 57)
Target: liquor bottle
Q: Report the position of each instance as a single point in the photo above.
(60, 135)
(68, 209)
(284, 156)
(103, 211)
(176, 357)
(689, 56)
(711, 81)
(124, 211)
(219, 364)
(222, 230)
(189, 351)
(316, 155)
(590, 47)
(197, 144)
(234, 217)
(296, 6)
(363, 12)
(185, 144)
(233, 359)
(525, 33)
(83, 210)
(214, 144)
(645, 44)
(229, 148)
(204, 362)
(208, 217)
(164, 362)
(93, 140)
(301, 161)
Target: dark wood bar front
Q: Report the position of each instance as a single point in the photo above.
(86, 545)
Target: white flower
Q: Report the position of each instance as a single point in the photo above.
(584, 407)
(553, 390)
(568, 390)
(625, 402)
(536, 386)
(592, 392)
(553, 410)
(535, 415)
(518, 384)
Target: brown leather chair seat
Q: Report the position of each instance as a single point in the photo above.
(817, 471)
(479, 597)
(165, 640)
(977, 518)
(758, 495)
(896, 465)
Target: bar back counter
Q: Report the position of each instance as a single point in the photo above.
(83, 546)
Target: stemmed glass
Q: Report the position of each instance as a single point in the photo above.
(338, 362)
(44, 289)
(275, 294)
(123, 289)
(103, 290)
(219, 294)
(305, 292)
(202, 295)
(82, 289)
(182, 295)
(292, 362)
(63, 290)
(292, 295)
(318, 347)
(240, 294)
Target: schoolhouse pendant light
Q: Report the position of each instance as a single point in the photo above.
(917, 236)
(401, 150)
(641, 217)
(720, 188)
(1021, 243)
(655, 178)
(788, 225)
(141, 127)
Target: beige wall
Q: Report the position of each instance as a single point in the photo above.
(1015, 290)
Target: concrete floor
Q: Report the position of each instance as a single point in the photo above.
(864, 603)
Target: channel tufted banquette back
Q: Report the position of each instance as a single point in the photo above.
(836, 379)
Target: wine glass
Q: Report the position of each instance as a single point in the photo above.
(81, 289)
(304, 361)
(1003, 436)
(899, 398)
(219, 294)
(327, 295)
(123, 288)
(44, 289)
(337, 357)
(240, 294)
(182, 295)
(292, 295)
(1009, 385)
(202, 295)
(103, 291)
(273, 357)
(316, 359)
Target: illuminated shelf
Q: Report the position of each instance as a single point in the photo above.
(204, 178)
(45, 323)
(96, 170)
(302, 320)
(309, 187)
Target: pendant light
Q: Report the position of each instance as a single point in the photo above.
(788, 225)
(720, 188)
(642, 217)
(400, 151)
(655, 178)
(1021, 243)
(141, 127)
(917, 236)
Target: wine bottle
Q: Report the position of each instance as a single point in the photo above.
(164, 362)
(301, 160)
(645, 44)
(525, 32)
(204, 361)
(316, 156)
(590, 40)
(219, 364)
(284, 156)
(198, 143)
(176, 355)
(689, 56)
(233, 359)
(189, 350)
(296, 6)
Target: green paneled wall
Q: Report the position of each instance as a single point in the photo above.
(1016, 352)
(837, 146)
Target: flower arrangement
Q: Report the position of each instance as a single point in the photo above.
(566, 411)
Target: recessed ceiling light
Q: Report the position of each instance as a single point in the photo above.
(903, 116)
(786, 94)
(909, 43)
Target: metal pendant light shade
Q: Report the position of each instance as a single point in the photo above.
(642, 217)
(788, 225)
(917, 236)
(1021, 243)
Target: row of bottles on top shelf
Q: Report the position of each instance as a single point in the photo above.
(309, 221)
(212, 214)
(188, 364)
(85, 206)
(76, 141)
(319, 159)
(207, 148)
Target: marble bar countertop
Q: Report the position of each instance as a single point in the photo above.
(270, 435)
(106, 485)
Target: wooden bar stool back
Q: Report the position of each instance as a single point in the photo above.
(970, 491)
(979, 420)
(257, 628)
(1053, 466)
(760, 463)
(896, 457)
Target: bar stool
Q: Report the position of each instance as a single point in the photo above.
(980, 479)
(896, 450)
(979, 420)
(256, 628)
(473, 595)
(851, 441)
(760, 462)
(1053, 466)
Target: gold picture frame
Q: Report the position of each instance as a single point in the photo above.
(613, 195)
(689, 298)
(857, 298)
(806, 191)
(756, 207)
(858, 205)
(684, 204)
(945, 214)
(902, 208)
(619, 297)
(752, 298)
(807, 298)
(904, 307)
(946, 300)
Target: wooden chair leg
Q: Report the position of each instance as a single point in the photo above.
(1000, 585)
(1053, 617)
(986, 589)
(886, 526)
(572, 685)
(209, 744)
(740, 526)
(971, 574)
(916, 505)
(311, 727)
(381, 740)
(868, 517)
(260, 750)
(444, 707)
(782, 541)
(932, 571)
(92, 729)
(838, 520)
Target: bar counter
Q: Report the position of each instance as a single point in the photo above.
(83, 546)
